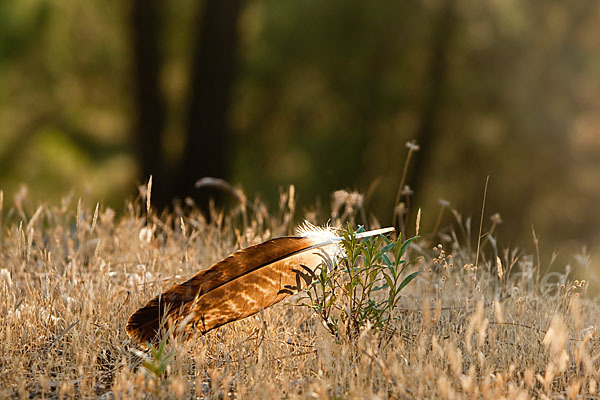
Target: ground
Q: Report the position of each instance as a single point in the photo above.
(468, 327)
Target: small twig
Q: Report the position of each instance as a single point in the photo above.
(379, 363)
(157, 281)
(537, 329)
(18, 304)
(389, 339)
(100, 326)
(263, 330)
(411, 148)
(290, 356)
(227, 187)
(297, 344)
(124, 302)
(481, 220)
(449, 308)
(438, 221)
(223, 361)
(515, 324)
(56, 339)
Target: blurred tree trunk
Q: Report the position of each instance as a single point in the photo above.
(150, 113)
(207, 150)
(427, 130)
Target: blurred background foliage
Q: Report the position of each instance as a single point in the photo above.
(96, 95)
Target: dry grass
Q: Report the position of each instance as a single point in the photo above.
(71, 275)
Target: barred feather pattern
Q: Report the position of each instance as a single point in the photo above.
(240, 285)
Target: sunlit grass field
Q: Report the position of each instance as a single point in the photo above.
(491, 326)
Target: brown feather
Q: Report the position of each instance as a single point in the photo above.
(236, 287)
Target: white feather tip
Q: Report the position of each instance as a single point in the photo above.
(328, 233)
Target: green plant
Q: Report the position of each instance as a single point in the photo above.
(361, 288)
(156, 361)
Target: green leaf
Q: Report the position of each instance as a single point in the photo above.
(386, 260)
(389, 281)
(387, 248)
(148, 365)
(372, 275)
(407, 280)
(378, 288)
(405, 245)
